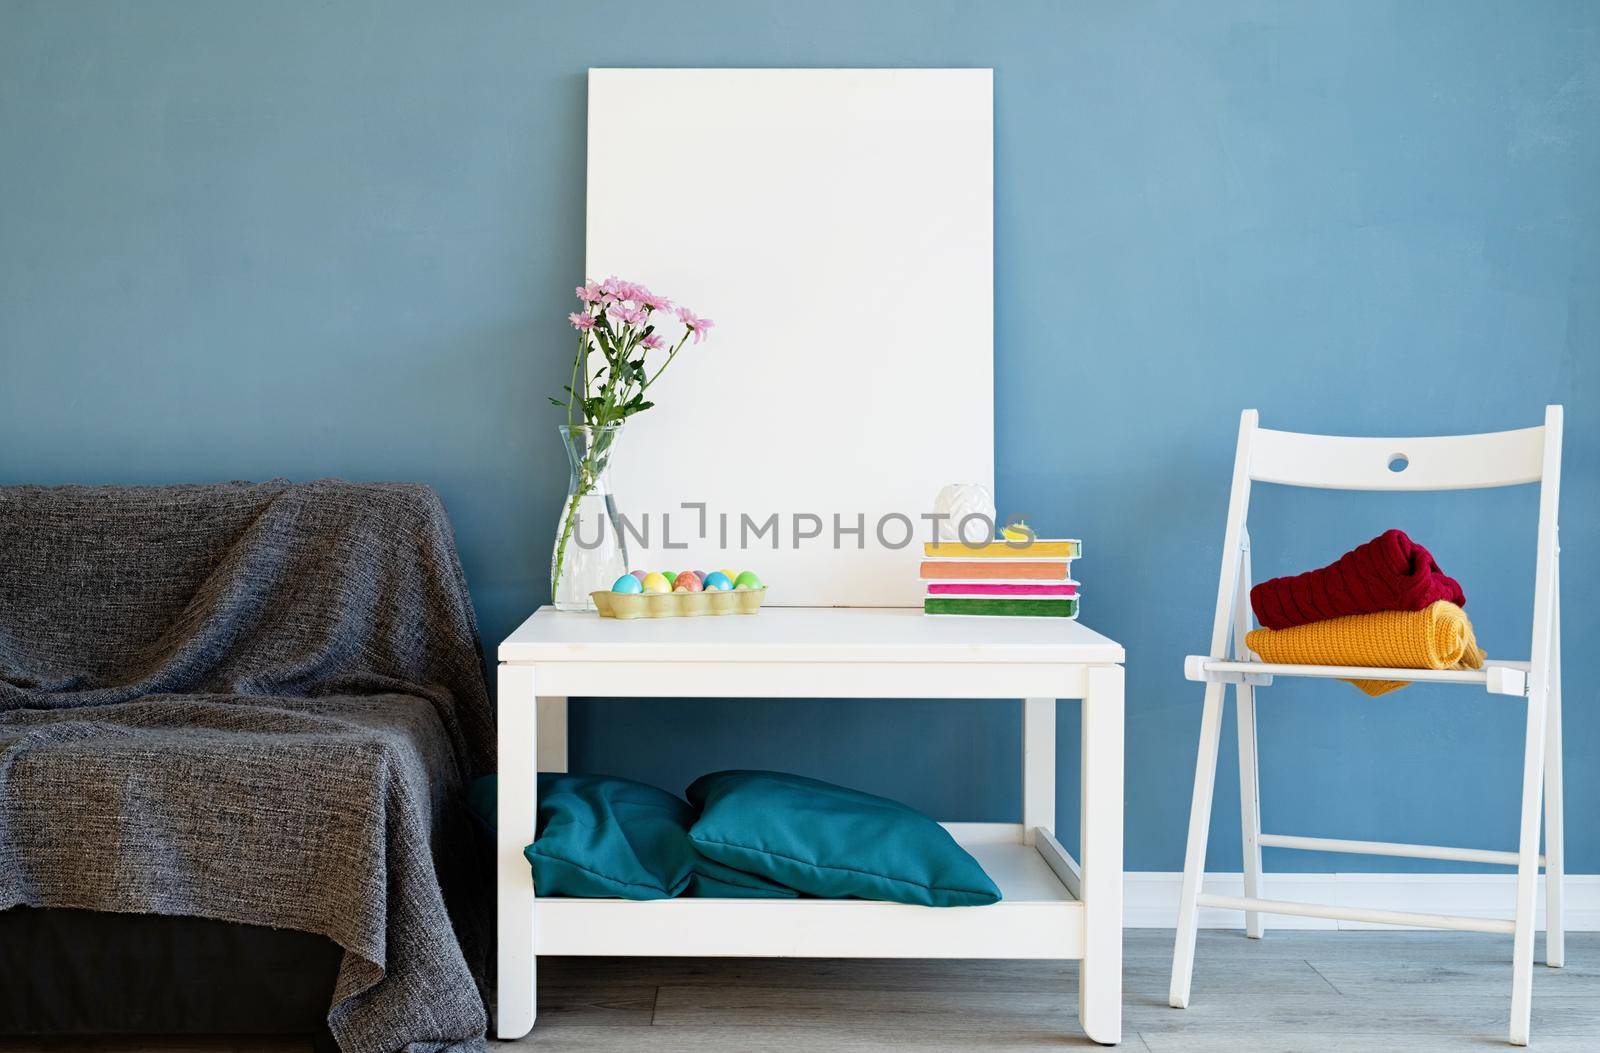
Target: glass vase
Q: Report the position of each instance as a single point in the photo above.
(590, 551)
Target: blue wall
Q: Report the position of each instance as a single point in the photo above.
(240, 240)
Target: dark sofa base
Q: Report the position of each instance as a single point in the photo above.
(83, 972)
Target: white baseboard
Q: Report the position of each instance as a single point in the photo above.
(1150, 898)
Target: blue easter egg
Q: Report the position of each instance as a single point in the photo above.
(627, 583)
(717, 581)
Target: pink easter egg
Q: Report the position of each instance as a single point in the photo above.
(687, 582)
(640, 574)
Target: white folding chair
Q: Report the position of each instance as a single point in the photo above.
(1453, 462)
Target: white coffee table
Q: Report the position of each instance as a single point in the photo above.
(1053, 906)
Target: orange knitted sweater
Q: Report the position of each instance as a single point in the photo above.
(1436, 637)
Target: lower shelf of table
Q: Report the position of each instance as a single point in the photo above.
(1036, 918)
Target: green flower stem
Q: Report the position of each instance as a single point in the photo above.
(586, 477)
(580, 360)
(668, 362)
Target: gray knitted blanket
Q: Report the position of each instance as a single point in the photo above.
(256, 703)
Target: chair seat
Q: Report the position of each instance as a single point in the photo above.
(1500, 676)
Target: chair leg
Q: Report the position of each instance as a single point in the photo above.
(1249, 777)
(1194, 860)
(1528, 868)
(1555, 943)
(1249, 804)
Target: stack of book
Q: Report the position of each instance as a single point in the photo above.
(1030, 579)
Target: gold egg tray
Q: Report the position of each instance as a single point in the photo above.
(629, 605)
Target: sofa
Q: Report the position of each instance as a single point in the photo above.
(237, 725)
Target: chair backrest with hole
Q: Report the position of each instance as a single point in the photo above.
(1444, 462)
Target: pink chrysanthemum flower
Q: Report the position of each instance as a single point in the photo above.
(624, 290)
(654, 342)
(582, 321)
(698, 326)
(620, 312)
(654, 301)
(589, 292)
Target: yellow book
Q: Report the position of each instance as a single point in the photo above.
(1036, 549)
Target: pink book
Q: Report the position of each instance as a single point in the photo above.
(989, 588)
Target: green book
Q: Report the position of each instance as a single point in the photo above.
(1066, 607)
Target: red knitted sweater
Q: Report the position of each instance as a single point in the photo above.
(1389, 573)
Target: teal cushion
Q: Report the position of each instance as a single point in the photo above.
(826, 840)
(601, 836)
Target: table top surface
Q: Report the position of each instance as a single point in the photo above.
(844, 634)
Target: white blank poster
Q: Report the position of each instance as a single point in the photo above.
(837, 225)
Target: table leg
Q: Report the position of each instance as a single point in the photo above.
(552, 733)
(518, 808)
(1038, 767)
(1100, 985)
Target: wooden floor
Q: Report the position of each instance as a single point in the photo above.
(1294, 992)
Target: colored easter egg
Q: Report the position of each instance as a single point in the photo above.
(701, 575)
(732, 575)
(747, 580)
(717, 581)
(687, 582)
(627, 583)
(656, 582)
(638, 574)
